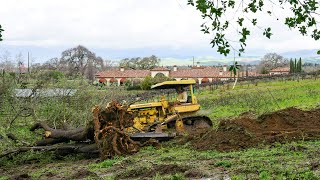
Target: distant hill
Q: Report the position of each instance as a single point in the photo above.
(309, 56)
(208, 61)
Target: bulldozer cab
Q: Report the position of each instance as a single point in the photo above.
(184, 89)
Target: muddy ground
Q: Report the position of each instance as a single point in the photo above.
(244, 132)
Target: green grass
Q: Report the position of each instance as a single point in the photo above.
(106, 163)
(266, 97)
(294, 160)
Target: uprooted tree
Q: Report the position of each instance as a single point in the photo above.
(105, 135)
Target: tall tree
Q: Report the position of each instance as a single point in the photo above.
(299, 65)
(304, 17)
(295, 65)
(291, 66)
(140, 63)
(271, 61)
(80, 60)
(149, 62)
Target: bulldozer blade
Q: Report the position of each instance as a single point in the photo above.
(152, 135)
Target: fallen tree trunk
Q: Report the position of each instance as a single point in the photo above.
(79, 134)
(49, 141)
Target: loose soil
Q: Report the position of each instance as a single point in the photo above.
(245, 132)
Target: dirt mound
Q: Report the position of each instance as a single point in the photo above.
(244, 132)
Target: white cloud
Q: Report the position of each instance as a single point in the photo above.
(108, 24)
(123, 24)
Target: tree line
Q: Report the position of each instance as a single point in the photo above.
(78, 61)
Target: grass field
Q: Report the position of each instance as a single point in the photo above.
(263, 98)
(290, 160)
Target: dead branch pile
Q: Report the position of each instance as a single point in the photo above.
(105, 134)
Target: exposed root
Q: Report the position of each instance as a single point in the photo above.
(110, 135)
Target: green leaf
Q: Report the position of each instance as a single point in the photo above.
(318, 52)
(267, 32)
(190, 2)
(231, 3)
(254, 22)
(231, 68)
(240, 21)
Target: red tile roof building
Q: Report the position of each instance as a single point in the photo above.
(201, 74)
(280, 70)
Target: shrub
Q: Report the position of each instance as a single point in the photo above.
(146, 83)
(134, 87)
(51, 75)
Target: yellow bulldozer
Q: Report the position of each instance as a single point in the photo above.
(167, 118)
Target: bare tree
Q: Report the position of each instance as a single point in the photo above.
(80, 60)
(19, 58)
(6, 62)
(75, 59)
(271, 61)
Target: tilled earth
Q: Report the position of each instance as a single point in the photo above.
(244, 132)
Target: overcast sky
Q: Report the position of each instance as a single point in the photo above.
(126, 28)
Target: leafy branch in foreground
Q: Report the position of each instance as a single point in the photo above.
(1, 30)
(305, 16)
(234, 68)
